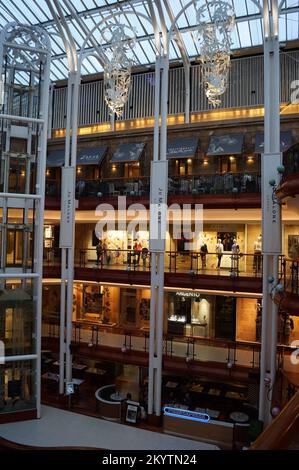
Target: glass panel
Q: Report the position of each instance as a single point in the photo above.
(17, 387)
(17, 319)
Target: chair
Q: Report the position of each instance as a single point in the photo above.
(112, 190)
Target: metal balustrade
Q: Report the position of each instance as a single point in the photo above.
(228, 183)
(240, 92)
(189, 262)
(196, 348)
(290, 275)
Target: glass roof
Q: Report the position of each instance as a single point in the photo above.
(247, 33)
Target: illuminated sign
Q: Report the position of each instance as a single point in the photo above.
(188, 294)
(186, 414)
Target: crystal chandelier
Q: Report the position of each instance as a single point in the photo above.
(117, 69)
(215, 24)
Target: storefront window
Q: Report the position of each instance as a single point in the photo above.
(189, 313)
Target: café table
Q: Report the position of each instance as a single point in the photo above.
(116, 396)
(239, 417)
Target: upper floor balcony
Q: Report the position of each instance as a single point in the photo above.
(227, 190)
(244, 98)
(185, 269)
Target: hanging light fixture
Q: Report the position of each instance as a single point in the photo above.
(117, 69)
(215, 24)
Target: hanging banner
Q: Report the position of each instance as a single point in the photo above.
(158, 205)
(271, 210)
(67, 207)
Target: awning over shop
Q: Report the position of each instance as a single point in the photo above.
(182, 148)
(55, 158)
(229, 144)
(91, 155)
(128, 152)
(286, 141)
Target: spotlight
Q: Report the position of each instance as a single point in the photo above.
(124, 349)
(188, 359)
(272, 183)
(270, 279)
(229, 365)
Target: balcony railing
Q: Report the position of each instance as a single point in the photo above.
(192, 262)
(226, 183)
(196, 348)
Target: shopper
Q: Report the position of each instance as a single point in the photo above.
(144, 255)
(99, 251)
(203, 255)
(219, 251)
(137, 252)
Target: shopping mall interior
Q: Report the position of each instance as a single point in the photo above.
(149, 206)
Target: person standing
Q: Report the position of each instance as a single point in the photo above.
(144, 255)
(99, 251)
(219, 251)
(203, 255)
(137, 252)
(257, 248)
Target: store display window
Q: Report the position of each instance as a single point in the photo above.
(188, 313)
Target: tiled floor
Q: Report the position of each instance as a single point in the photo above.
(63, 428)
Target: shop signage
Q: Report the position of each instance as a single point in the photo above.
(186, 414)
(272, 235)
(48, 232)
(195, 295)
(158, 206)
(67, 207)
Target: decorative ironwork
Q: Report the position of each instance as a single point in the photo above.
(31, 37)
(215, 24)
(117, 70)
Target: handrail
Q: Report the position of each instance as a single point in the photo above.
(280, 433)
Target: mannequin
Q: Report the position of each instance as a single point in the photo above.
(257, 260)
(219, 251)
(235, 256)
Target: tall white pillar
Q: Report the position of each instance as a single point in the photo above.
(271, 212)
(158, 215)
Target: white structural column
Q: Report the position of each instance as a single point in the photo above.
(67, 218)
(158, 215)
(271, 213)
